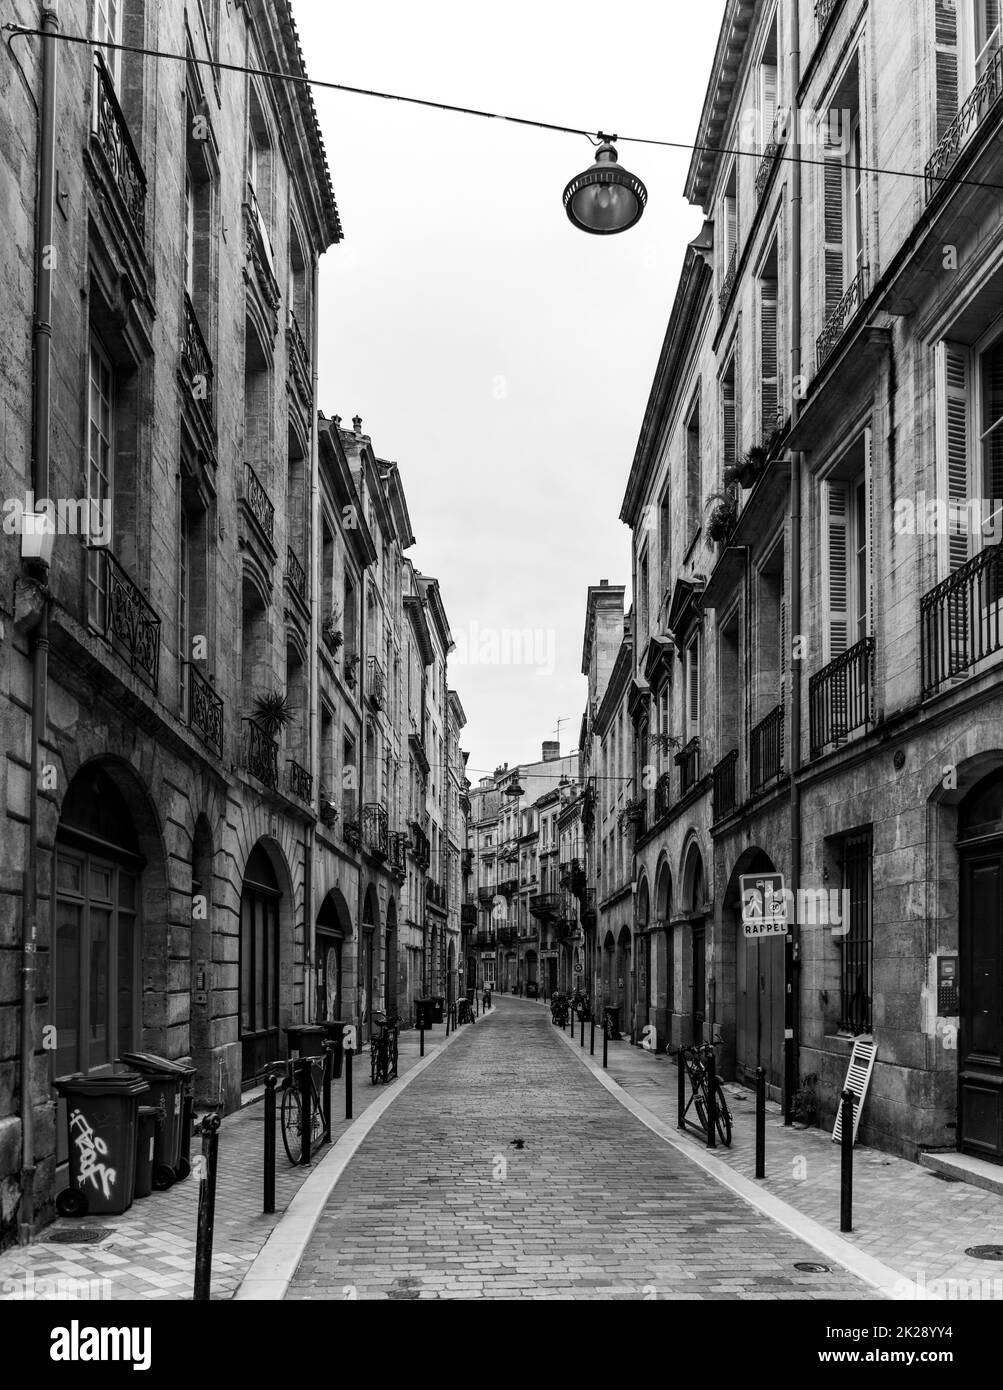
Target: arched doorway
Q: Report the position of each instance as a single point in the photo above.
(391, 987)
(259, 966)
(608, 969)
(644, 987)
(624, 992)
(333, 929)
(208, 1088)
(532, 978)
(694, 894)
(451, 975)
(97, 931)
(979, 1001)
(510, 972)
(759, 983)
(369, 983)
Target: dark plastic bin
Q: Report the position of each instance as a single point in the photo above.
(424, 1010)
(102, 1116)
(187, 1112)
(146, 1139)
(304, 1039)
(167, 1081)
(334, 1031)
(613, 1014)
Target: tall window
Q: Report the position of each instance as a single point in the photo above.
(768, 85)
(846, 549)
(693, 470)
(691, 690)
(642, 599)
(106, 28)
(729, 414)
(729, 221)
(100, 462)
(857, 943)
(769, 355)
(184, 603)
(843, 231)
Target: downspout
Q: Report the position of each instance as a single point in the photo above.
(360, 770)
(309, 839)
(792, 1003)
(41, 350)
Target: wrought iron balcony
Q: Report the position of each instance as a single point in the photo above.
(397, 858)
(300, 781)
(350, 831)
(196, 366)
(839, 696)
(260, 754)
(111, 132)
(295, 574)
(486, 893)
(724, 785)
(766, 749)
(728, 283)
(974, 110)
(544, 904)
(485, 936)
(259, 249)
(205, 711)
(824, 10)
(835, 324)
(960, 618)
(435, 893)
(299, 354)
(771, 152)
(688, 759)
(508, 887)
(259, 503)
(124, 615)
(468, 914)
(376, 829)
(375, 682)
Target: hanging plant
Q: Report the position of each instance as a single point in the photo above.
(331, 629)
(631, 812)
(273, 711)
(749, 467)
(664, 742)
(721, 521)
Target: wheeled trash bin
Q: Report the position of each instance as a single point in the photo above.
(101, 1113)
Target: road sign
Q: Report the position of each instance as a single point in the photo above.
(764, 904)
(579, 969)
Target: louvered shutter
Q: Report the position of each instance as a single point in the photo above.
(728, 416)
(946, 63)
(869, 522)
(835, 556)
(768, 353)
(769, 109)
(954, 467)
(992, 478)
(833, 232)
(693, 687)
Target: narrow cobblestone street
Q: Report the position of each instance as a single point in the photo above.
(440, 1201)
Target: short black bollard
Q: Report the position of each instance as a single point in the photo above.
(582, 1038)
(421, 1039)
(207, 1209)
(711, 1075)
(448, 1012)
(269, 1194)
(760, 1123)
(326, 1093)
(348, 1083)
(846, 1166)
(592, 1037)
(605, 1044)
(681, 1085)
(306, 1102)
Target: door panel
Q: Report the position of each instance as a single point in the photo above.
(981, 1044)
(760, 1007)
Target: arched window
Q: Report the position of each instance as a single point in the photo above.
(259, 964)
(96, 950)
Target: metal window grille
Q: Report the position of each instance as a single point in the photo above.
(858, 943)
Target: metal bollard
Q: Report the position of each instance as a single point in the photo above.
(711, 1068)
(348, 1083)
(581, 1040)
(760, 1123)
(269, 1194)
(790, 1079)
(207, 1209)
(592, 1036)
(306, 1102)
(846, 1165)
(681, 1091)
(326, 1093)
(421, 1038)
(605, 1044)
(448, 1012)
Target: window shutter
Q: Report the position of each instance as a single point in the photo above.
(946, 63)
(835, 560)
(833, 226)
(769, 100)
(768, 358)
(992, 424)
(954, 474)
(693, 686)
(869, 503)
(728, 414)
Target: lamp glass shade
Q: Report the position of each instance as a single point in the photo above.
(606, 198)
(513, 790)
(38, 536)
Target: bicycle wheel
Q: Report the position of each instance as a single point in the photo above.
(291, 1118)
(700, 1106)
(374, 1061)
(393, 1055)
(317, 1131)
(723, 1125)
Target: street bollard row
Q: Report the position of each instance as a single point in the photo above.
(207, 1208)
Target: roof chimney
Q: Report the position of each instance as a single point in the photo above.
(604, 583)
(551, 750)
(357, 423)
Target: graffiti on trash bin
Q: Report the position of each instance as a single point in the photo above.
(91, 1149)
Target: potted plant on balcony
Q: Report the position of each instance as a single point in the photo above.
(724, 514)
(328, 810)
(632, 811)
(331, 631)
(751, 464)
(352, 670)
(273, 711)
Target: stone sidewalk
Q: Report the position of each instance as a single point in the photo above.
(904, 1215)
(149, 1251)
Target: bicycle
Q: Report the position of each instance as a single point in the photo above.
(383, 1049)
(559, 1010)
(291, 1110)
(694, 1059)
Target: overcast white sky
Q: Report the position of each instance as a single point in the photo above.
(500, 356)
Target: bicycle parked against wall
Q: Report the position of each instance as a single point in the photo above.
(559, 1005)
(383, 1048)
(695, 1061)
(291, 1110)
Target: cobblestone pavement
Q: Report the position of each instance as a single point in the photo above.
(506, 1171)
(149, 1251)
(903, 1214)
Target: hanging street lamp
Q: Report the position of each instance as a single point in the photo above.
(606, 198)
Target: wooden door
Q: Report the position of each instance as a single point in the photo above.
(759, 1042)
(980, 1051)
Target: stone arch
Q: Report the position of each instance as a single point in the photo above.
(334, 965)
(663, 889)
(692, 876)
(268, 983)
(369, 982)
(394, 983)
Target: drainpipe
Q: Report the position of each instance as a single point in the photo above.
(41, 349)
(360, 775)
(792, 1001)
(309, 839)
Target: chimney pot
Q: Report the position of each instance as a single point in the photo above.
(357, 423)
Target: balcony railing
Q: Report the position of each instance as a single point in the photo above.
(663, 795)
(974, 109)
(508, 887)
(724, 785)
(259, 248)
(839, 696)
(259, 504)
(766, 749)
(544, 904)
(376, 829)
(205, 711)
(197, 363)
(111, 131)
(486, 893)
(260, 754)
(124, 615)
(295, 574)
(468, 914)
(824, 10)
(375, 682)
(728, 283)
(771, 152)
(435, 893)
(689, 766)
(300, 781)
(960, 619)
(835, 324)
(397, 858)
(485, 936)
